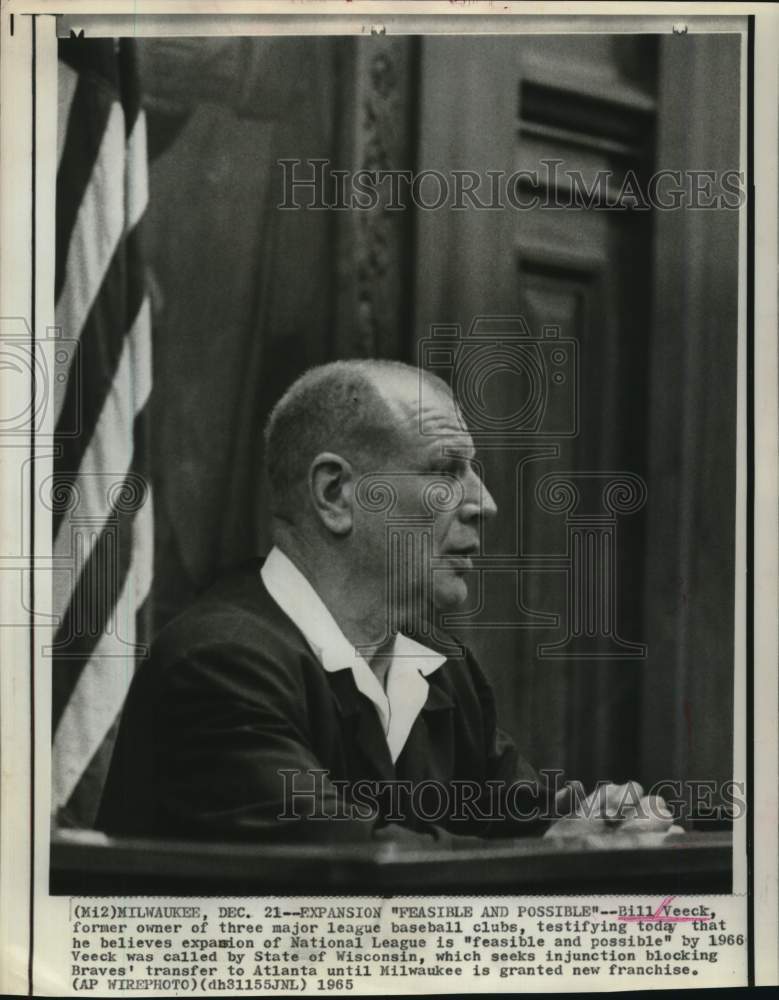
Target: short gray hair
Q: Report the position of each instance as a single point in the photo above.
(338, 407)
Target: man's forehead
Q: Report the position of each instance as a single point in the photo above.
(418, 400)
(426, 414)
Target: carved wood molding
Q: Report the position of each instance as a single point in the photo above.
(373, 256)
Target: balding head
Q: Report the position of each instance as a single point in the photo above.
(352, 408)
(349, 423)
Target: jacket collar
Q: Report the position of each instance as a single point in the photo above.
(380, 733)
(297, 598)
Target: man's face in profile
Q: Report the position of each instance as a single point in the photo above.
(427, 540)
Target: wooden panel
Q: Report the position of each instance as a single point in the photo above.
(612, 124)
(94, 864)
(373, 247)
(688, 692)
(589, 104)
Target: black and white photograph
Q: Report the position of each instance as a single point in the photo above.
(396, 496)
(399, 444)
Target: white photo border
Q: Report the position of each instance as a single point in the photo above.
(28, 125)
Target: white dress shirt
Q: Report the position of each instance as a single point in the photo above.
(409, 663)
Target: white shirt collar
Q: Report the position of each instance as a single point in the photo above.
(290, 589)
(410, 663)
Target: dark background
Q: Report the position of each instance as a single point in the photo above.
(246, 296)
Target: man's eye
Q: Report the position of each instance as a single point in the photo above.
(463, 465)
(453, 466)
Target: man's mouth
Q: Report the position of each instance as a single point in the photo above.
(461, 559)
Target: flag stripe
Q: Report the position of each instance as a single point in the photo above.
(96, 61)
(113, 443)
(103, 541)
(130, 93)
(99, 352)
(82, 804)
(137, 182)
(94, 240)
(90, 111)
(104, 682)
(104, 563)
(66, 89)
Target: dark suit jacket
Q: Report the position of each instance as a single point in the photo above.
(232, 713)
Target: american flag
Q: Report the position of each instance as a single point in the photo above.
(102, 521)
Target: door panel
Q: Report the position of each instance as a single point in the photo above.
(573, 274)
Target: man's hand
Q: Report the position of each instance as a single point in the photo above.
(611, 810)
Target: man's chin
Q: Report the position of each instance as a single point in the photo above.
(450, 592)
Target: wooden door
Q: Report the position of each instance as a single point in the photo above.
(551, 105)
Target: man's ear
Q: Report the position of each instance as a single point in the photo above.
(331, 485)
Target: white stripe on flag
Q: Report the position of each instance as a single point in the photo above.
(139, 340)
(143, 552)
(98, 228)
(107, 457)
(136, 174)
(101, 688)
(67, 81)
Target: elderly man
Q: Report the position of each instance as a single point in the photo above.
(310, 696)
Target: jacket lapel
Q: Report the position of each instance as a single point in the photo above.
(361, 728)
(438, 697)
(429, 750)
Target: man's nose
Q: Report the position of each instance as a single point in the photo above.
(488, 506)
(478, 500)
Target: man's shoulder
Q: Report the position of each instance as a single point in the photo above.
(235, 613)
